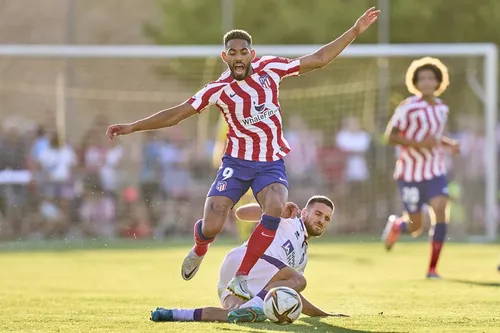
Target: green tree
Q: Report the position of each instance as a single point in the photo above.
(318, 21)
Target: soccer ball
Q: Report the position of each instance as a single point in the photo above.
(282, 305)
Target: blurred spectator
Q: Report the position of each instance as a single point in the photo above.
(470, 168)
(301, 161)
(98, 213)
(13, 147)
(53, 220)
(150, 174)
(136, 223)
(40, 143)
(176, 181)
(95, 157)
(332, 163)
(13, 157)
(109, 172)
(58, 162)
(355, 143)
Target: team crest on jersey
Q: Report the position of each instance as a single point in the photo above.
(221, 186)
(265, 81)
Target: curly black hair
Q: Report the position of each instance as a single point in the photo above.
(237, 34)
(435, 69)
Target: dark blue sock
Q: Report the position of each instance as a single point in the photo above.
(262, 294)
(199, 233)
(402, 226)
(197, 314)
(440, 232)
(270, 222)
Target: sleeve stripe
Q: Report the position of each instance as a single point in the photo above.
(285, 67)
(202, 99)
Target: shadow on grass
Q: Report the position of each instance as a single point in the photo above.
(475, 283)
(307, 324)
(58, 245)
(339, 256)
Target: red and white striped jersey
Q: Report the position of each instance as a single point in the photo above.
(251, 109)
(416, 119)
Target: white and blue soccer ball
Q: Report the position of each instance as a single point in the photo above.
(282, 305)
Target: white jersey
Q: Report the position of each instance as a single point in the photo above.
(290, 244)
(289, 248)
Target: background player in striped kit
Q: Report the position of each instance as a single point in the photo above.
(247, 96)
(417, 127)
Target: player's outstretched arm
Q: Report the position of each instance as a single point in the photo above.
(311, 310)
(453, 145)
(250, 212)
(162, 119)
(253, 212)
(330, 51)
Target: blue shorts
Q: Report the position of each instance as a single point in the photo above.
(415, 194)
(236, 176)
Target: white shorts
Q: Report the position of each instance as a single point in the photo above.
(260, 275)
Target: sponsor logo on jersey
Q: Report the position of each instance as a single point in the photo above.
(289, 252)
(263, 112)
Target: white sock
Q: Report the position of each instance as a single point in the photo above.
(254, 302)
(183, 314)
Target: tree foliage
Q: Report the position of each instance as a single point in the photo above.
(318, 21)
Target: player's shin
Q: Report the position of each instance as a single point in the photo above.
(258, 243)
(201, 242)
(438, 238)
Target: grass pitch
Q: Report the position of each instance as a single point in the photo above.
(112, 288)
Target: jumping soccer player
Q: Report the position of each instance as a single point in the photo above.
(247, 95)
(417, 127)
(283, 264)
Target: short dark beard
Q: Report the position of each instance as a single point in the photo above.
(246, 73)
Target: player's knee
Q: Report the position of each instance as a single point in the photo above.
(274, 205)
(211, 229)
(216, 212)
(273, 198)
(439, 206)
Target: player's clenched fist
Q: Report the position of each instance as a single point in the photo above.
(290, 211)
(120, 129)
